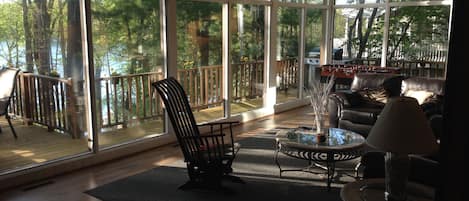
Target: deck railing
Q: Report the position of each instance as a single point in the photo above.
(125, 99)
(46, 101)
(247, 79)
(128, 98)
(420, 68)
(203, 85)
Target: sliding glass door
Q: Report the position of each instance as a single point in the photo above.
(127, 59)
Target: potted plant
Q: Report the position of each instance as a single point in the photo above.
(114, 77)
(54, 74)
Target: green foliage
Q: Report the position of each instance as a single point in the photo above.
(413, 29)
(288, 31)
(339, 24)
(128, 33)
(199, 34)
(11, 33)
(247, 41)
(313, 29)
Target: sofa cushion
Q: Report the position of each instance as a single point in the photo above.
(361, 115)
(436, 86)
(377, 95)
(422, 96)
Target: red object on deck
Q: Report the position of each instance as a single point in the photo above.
(348, 71)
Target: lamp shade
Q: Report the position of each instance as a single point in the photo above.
(402, 128)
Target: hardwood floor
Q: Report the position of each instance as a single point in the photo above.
(70, 187)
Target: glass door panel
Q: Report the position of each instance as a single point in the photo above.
(127, 59)
(199, 59)
(288, 40)
(313, 37)
(247, 57)
(43, 40)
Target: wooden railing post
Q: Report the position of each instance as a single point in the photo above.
(26, 101)
(71, 110)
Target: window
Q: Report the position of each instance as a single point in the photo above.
(288, 41)
(247, 57)
(358, 35)
(199, 36)
(418, 39)
(127, 59)
(44, 41)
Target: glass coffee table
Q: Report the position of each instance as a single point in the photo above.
(339, 145)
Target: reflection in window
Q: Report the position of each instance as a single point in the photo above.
(313, 37)
(127, 59)
(247, 57)
(287, 53)
(199, 36)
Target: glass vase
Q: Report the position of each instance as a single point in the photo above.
(320, 119)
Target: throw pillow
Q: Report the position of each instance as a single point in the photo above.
(379, 95)
(421, 96)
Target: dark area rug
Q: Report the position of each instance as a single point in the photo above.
(254, 164)
(161, 184)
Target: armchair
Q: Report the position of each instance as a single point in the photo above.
(8, 80)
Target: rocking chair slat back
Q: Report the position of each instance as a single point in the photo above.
(180, 115)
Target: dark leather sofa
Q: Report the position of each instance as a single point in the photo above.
(358, 109)
(353, 111)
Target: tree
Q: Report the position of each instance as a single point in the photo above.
(359, 35)
(129, 31)
(74, 59)
(198, 33)
(27, 36)
(413, 27)
(42, 33)
(11, 26)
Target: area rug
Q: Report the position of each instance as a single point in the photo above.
(254, 164)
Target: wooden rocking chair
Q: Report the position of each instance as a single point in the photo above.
(208, 157)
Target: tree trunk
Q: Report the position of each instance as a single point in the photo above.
(350, 36)
(27, 37)
(74, 63)
(404, 34)
(41, 26)
(61, 34)
(364, 39)
(360, 31)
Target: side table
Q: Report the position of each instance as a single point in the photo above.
(373, 190)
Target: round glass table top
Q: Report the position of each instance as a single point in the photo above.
(335, 138)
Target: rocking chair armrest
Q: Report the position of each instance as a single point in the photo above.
(219, 123)
(205, 136)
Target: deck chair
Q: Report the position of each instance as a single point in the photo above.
(209, 156)
(8, 82)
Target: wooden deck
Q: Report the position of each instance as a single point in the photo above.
(37, 145)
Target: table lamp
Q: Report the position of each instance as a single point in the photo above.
(401, 129)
